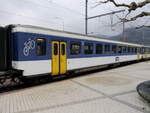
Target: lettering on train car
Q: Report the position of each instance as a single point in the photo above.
(117, 59)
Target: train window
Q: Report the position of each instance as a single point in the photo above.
(132, 50)
(107, 49)
(55, 49)
(135, 50)
(141, 50)
(145, 50)
(120, 49)
(75, 48)
(99, 48)
(63, 52)
(41, 47)
(124, 49)
(129, 49)
(114, 49)
(88, 48)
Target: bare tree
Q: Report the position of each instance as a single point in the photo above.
(131, 7)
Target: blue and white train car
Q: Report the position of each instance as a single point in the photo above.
(37, 51)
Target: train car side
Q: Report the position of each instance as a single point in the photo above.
(38, 51)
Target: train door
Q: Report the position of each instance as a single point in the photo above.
(63, 58)
(138, 53)
(59, 58)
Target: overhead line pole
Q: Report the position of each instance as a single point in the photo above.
(86, 17)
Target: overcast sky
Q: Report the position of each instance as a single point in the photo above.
(65, 15)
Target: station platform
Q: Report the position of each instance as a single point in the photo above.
(109, 91)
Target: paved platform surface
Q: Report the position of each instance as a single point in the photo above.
(110, 91)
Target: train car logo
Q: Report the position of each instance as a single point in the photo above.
(28, 45)
(117, 59)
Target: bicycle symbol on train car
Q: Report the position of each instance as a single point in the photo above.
(28, 45)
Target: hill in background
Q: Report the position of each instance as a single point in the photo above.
(139, 36)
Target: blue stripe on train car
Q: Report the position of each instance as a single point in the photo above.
(20, 44)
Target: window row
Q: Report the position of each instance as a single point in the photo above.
(75, 48)
(88, 48)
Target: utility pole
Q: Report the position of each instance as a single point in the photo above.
(86, 16)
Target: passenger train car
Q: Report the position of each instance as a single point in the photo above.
(32, 51)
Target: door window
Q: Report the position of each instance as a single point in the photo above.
(63, 52)
(55, 49)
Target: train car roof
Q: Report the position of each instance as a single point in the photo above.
(47, 31)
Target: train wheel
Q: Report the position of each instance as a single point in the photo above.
(2, 80)
(16, 80)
